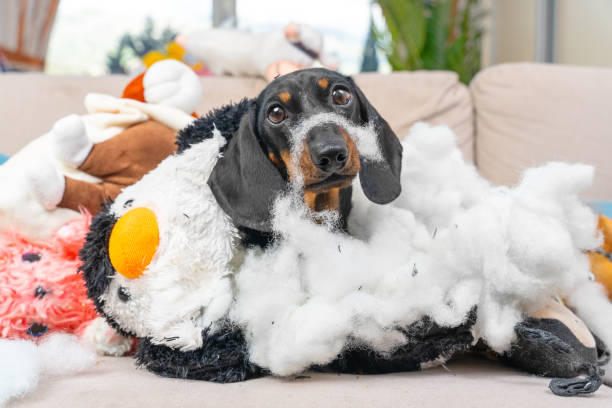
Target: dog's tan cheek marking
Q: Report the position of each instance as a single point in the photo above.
(330, 200)
(286, 158)
(284, 96)
(310, 199)
(274, 160)
(354, 165)
(310, 173)
(305, 165)
(323, 83)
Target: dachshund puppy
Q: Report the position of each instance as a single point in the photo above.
(313, 129)
(157, 260)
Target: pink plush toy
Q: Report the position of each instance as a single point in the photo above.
(41, 291)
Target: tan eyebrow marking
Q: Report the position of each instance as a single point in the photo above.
(274, 159)
(284, 96)
(323, 83)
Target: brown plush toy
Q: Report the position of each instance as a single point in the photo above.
(95, 156)
(119, 162)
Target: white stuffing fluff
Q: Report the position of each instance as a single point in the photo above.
(364, 137)
(592, 305)
(450, 242)
(19, 369)
(24, 363)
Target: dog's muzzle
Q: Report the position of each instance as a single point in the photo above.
(328, 149)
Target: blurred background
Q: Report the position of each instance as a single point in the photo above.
(87, 37)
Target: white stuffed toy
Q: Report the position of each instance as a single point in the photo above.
(266, 55)
(33, 181)
(450, 262)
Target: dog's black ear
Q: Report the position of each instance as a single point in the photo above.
(380, 179)
(244, 182)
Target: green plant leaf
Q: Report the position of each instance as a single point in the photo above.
(432, 34)
(438, 28)
(405, 22)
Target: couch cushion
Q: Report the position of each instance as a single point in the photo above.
(31, 103)
(436, 97)
(528, 114)
(467, 382)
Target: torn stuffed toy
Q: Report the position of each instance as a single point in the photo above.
(452, 262)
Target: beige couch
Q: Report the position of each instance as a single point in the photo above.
(511, 117)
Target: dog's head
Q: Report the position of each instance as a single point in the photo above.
(313, 129)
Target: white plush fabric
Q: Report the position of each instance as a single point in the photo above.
(185, 287)
(45, 183)
(172, 83)
(108, 116)
(105, 340)
(70, 143)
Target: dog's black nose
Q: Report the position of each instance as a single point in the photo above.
(329, 156)
(328, 148)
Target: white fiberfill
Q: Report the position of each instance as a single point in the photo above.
(24, 362)
(449, 243)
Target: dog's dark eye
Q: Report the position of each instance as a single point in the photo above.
(341, 96)
(276, 114)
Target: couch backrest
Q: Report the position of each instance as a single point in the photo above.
(31, 103)
(528, 114)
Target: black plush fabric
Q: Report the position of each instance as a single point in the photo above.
(547, 347)
(223, 358)
(252, 238)
(97, 268)
(226, 119)
(603, 352)
(224, 355)
(426, 342)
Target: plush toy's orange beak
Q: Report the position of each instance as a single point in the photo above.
(135, 89)
(133, 242)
